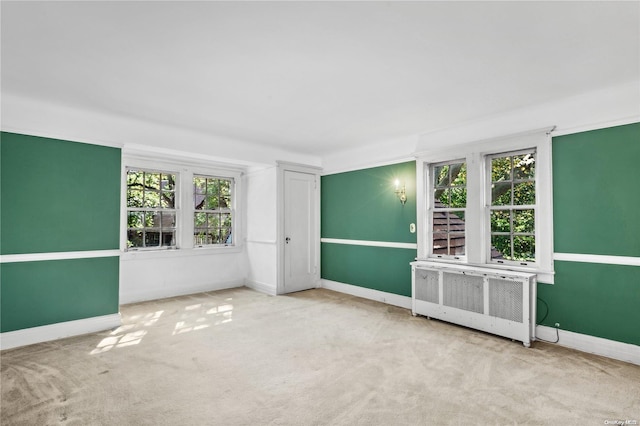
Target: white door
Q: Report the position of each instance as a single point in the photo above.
(300, 264)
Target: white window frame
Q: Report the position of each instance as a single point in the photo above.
(185, 168)
(489, 208)
(176, 209)
(231, 209)
(431, 210)
(477, 219)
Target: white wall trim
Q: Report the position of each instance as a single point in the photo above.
(267, 242)
(591, 344)
(45, 333)
(369, 243)
(367, 293)
(261, 287)
(35, 257)
(371, 165)
(598, 258)
(172, 291)
(597, 126)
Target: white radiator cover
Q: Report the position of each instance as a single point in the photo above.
(492, 300)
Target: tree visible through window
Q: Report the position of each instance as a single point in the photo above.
(151, 209)
(512, 209)
(213, 211)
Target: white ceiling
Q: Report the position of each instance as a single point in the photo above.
(315, 77)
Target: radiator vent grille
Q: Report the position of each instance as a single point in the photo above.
(463, 292)
(427, 286)
(505, 299)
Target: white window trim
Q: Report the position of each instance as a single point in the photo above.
(477, 219)
(185, 168)
(431, 209)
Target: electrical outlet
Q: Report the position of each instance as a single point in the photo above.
(557, 325)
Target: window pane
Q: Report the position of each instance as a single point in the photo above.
(152, 239)
(225, 201)
(524, 193)
(135, 238)
(501, 169)
(440, 243)
(225, 235)
(200, 185)
(168, 200)
(500, 247)
(456, 244)
(168, 182)
(200, 220)
(168, 238)
(168, 220)
(523, 221)
(500, 221)
(212, 202)
(134, 197)
(524, 248)
(456, 221)
(151, 199)
(524, 166)
(135, 219)
(458, 197)
(441, 176)
(152, 181)
(213, 186)
(225, 220)
(135, 178)
(501, 194)
(458, 174)
(213, 220)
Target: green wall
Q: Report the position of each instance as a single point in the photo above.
(57, 196)
(48, 292)
(362, 205)
(596, 198)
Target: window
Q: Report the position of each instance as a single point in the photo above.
(512, 207)
(448, 210)
(489, 203)
(151, 209)
(179, 206)
(213, 216)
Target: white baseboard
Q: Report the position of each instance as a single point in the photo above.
(367, 293)
(591, 344)
(162, 293)
(261, 287)
(45, 333)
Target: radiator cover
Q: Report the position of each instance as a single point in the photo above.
(488, 299)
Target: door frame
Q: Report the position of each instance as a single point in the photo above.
(280, 212)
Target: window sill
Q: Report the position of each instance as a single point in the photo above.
(173, 253)
(543, 277)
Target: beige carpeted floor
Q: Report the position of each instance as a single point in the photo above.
(238, 357)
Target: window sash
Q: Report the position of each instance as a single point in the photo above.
(220, 234)
(489, 234)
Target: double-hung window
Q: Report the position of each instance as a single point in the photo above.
(512, 209)
(151, 209)
(489, 203)
(213, 211)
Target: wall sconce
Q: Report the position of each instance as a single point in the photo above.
(401, 192)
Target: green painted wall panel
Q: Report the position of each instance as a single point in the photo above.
(47, 292)
(362, 205)
(379, 268)
(58, 196)
(596, 192)
(594, 299)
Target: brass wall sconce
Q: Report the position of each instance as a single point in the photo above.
(401, 192)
